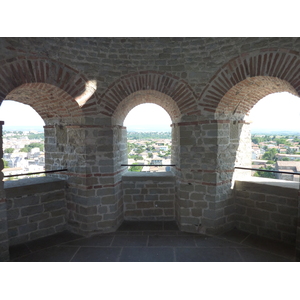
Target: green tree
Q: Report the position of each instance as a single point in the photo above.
(27, 148)
(135, 168)
(5, 163)
(270, 154)
(9, 150)
(265, 174)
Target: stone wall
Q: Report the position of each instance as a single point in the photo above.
(83, 88)
(36, 208)
(267, 208)
(4, 243)
(148, 196)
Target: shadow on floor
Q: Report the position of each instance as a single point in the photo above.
(153, 242)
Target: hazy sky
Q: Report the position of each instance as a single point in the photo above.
(280, 111)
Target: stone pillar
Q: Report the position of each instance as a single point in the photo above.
(298, 231)
(240, 140)
(205, 202)
(94, 195)
(4, 243)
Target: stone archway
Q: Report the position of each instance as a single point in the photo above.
(62, 97)
(167, 84)
(281, 64)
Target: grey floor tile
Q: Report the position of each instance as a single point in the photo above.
(269, 245)
(207, 255)
(18, 250)
(215, 242)
(140, 226)
(130, 240)
(234, 235)
(255, 255)
(171, 241)
(147, 254)
(52, 254)
(161, 232)
(97, 254)
(98, 240)
(170, 225)
(52, 240)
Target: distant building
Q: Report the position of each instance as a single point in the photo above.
(290, 156)
(288, 166)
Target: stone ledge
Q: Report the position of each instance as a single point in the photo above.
(270, 181)
(32, 186)
(143, 176)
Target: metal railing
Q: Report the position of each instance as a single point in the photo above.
(264, 170)
(132, 165)
(43, 172)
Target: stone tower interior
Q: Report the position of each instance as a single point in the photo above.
(83, 88)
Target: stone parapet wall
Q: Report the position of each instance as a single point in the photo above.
(148, 196)
(4, 251)
(36, 208)
(267, 208)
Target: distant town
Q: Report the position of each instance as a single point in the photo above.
(24, 153)
(277, 153)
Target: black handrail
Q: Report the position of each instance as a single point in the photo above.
(44, 172)
(125, 165)
(264, 170)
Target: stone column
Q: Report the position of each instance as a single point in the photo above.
(94, 195)
(4, 243)
(298, 231)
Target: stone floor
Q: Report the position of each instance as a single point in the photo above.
(153, 242)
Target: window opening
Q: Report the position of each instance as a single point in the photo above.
(23, 140)
(149, 138)
(275, 136)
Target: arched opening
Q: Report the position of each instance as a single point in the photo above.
(236, 105)
(149, 138)
(275, 131)
(23, 140)
(132, 101)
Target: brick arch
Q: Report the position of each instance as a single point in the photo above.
(281, 64)
(244, 95)
(51, 103)
(146, 96)
(21, 73)
(173, 87)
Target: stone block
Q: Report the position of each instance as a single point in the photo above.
(213, 214)
(257, 196)
(282, 219)
(51, 222)
(32, 210)
(59, 212)
(56, 195)
(133, 213)
(102, 209)
(152, 212)
(41, 233)
(17, 222)
(269, 233)
(291, 211)
(54, 205)
(23, 229)
(90, 210)
(196, 212)
(259, 214)
(13, 214)
(25, 201)
(145, 205)
(266, 206)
